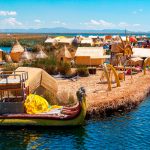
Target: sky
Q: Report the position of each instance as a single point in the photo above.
(75, 14)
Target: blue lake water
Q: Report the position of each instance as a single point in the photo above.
(127, 132)
(6, 49)
(97, 34)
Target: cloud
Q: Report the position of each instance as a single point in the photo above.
(136, 25)
(123, 24)
(127, 25)
(12, 21)
(8, 13)
(101, 23)
(59, 22)
(137, 11)
(98, 23)
(37, 21)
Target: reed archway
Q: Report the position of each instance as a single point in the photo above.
(146, 63)
(107, 68)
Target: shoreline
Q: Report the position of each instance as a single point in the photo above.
(101, 104)
(122, 103)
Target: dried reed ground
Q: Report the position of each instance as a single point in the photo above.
(99, 100)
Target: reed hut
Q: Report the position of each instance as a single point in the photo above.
(91, 56)
(1, 55)
(8, 58)
(108, 37)
(87, 42)
(41, 55)
(93, 36)
(76, 41)
(38, 78)
(16, 52)
(141, 52)
(64, 55)
(116, 47)
(137, 61)
(66, 41)
(50, 40)
(27, 56)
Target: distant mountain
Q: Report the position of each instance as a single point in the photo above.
(62, 30)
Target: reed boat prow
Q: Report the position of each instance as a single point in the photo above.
(75, 116)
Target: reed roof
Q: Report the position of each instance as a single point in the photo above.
(87, 41)
(93, 52)
(41, 55)
(65, 53)
(50, 40)
(141, 52)
(27, 55)
(17, 48)
(65, 40)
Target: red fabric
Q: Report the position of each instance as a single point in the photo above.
(132, 39)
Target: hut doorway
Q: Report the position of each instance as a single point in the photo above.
(61, 59)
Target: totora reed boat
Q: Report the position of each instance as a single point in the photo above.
(73, 116)
(14, 92)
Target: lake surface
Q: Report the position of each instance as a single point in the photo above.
(97, 34)
(6, 49)
(130, 131)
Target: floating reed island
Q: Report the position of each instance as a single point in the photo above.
(102, 103)
(116, 77)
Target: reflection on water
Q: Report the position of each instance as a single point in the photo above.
(131, 131)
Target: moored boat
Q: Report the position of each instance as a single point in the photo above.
(14, 113)
(71, 116)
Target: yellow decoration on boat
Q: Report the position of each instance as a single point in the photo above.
(35, 104)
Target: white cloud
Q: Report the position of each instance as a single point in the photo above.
(8, 13)
(138, 11)
(98, 23)
(37, 21)
(136, 25)
(101, 23)
(12, 21)
(59, 22)
(106, 24)
(127, 25)
(123, 24)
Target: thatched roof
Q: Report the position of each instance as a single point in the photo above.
(17, 48)
(93, 36)
(87, 41)
(135, 61)
(26, 55)
(50, 40)
(65, 53)
(41, 55)
(141, 52)
(93, 52)
(39, 78)
(65, 40)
